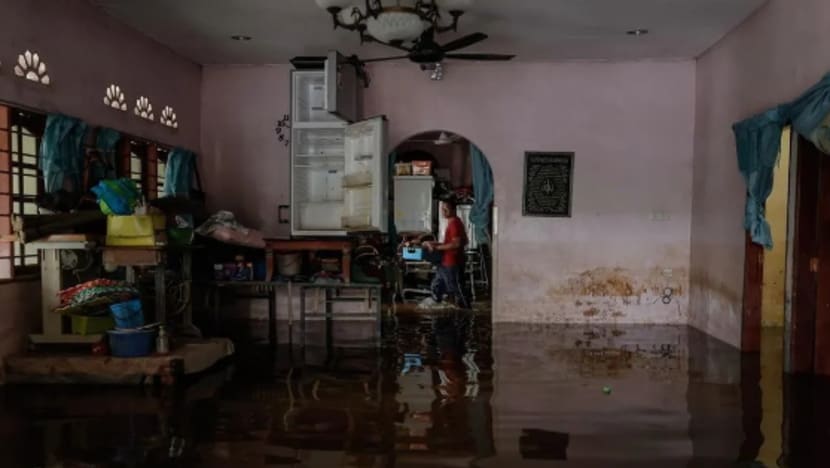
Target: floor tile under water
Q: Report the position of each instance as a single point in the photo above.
(445, 391)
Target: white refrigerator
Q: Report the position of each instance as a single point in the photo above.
(338, 163)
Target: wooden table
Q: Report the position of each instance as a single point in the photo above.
(286, 245)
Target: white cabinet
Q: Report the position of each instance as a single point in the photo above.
(338, 169)
(414, 206)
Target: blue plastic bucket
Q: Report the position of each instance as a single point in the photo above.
(132, 343)
(128, 314)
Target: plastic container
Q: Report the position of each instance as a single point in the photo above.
(421, 168)
(403, 169)
(413, 253)
(128, 314)
(83, 325)
(132, 343)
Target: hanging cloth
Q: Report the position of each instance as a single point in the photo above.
(180, 173)
(391, 228)
(61, 153)
(758, 141)
(483, 193)
(106, 143)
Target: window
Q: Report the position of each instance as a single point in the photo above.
(145, 164)
(20, 184)
(138, 153)
(161, 171)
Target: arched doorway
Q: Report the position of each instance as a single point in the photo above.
(458, 171)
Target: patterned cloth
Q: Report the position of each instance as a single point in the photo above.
(97, 289)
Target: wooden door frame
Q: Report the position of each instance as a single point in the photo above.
(801, 346)
(753, 296)
(801, 349)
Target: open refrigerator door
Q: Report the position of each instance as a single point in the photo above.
(364, 180)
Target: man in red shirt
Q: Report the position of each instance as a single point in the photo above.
(447, 279)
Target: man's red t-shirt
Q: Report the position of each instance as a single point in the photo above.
(455, 230)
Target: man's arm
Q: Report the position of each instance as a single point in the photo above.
(454, 244)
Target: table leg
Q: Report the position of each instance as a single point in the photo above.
(50, 286)
(302, 317)
(187, 277)
(379, 317)
(269, 264)
(327, 306)
(272, 315)
(161, 293)
(347, 265)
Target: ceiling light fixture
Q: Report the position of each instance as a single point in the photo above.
(396, 22)
(637, 32)
(239, 37)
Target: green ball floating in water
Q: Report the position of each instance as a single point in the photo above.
(606, 390)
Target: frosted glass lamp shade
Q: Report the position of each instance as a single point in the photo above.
(396, 25)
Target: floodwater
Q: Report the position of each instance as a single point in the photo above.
(445, 391)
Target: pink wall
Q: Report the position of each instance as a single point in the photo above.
(774, 56)
(244, 166)
(85, 51)
(630, 124)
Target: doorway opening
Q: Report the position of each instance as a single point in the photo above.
(427, 170)
(786, 287)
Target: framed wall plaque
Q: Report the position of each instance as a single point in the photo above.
(548, 184)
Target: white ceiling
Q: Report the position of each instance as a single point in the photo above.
(535, 30)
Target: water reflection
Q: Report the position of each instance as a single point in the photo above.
(446, 391)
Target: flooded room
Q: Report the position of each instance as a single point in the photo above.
(414, 233)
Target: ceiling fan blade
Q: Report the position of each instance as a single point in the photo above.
(483, 57)
(384, 59)
(393, 45)
(462, 42)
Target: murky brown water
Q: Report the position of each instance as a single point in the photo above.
(446, 391)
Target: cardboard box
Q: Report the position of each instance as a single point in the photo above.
(421, 168)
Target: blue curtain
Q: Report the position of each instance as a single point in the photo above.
(392, 229)
(180, 173)
(61, 153)
(758, 141)
(106, 143)
(483, 193)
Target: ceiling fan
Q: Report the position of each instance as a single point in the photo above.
(426, 51)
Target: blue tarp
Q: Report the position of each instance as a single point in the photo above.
(758, 140)
(61, 153)
(180, 173)
(483, 194)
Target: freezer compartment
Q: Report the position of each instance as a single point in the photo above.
(309, 88)
(320, 216)
(357, 208)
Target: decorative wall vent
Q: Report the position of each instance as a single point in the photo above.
(168, 117)
(144, 109)
(31, 67)
(115, 98)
